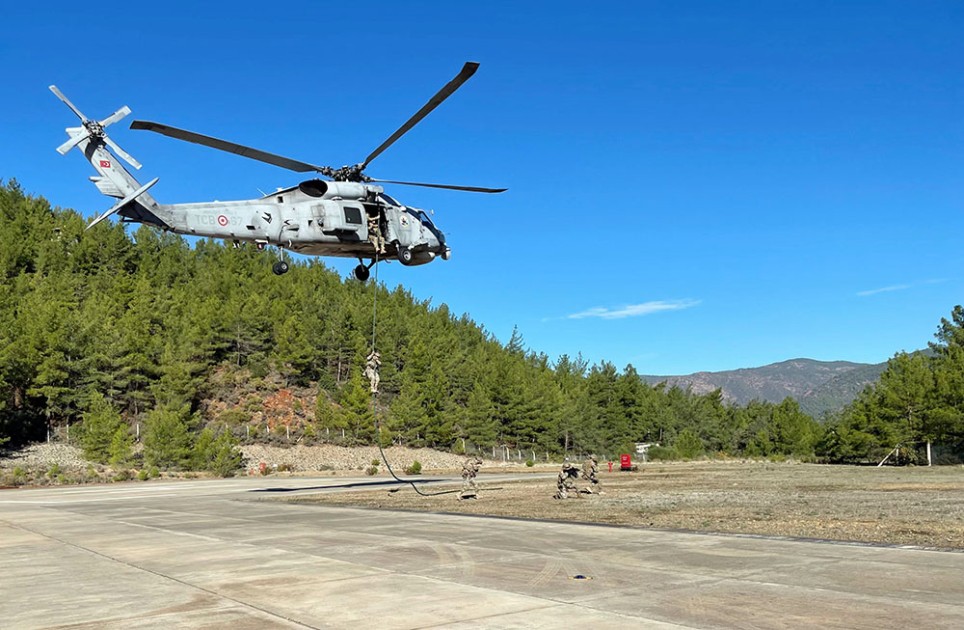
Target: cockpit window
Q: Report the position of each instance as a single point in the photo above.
(424, 219)
(389, 200)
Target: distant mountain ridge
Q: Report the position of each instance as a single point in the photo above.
(819, 386)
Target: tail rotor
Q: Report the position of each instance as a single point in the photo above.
(93, 130)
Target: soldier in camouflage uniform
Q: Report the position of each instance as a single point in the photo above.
(590, 468)
(375, 234)
(470, 468)
(565, 482)
(372, 365)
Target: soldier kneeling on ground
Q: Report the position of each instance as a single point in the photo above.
(590, 470)
(566, 481)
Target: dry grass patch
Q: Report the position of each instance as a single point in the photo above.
(910, 506)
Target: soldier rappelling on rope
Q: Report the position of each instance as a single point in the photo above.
(372, 365)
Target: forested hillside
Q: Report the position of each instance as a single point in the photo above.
(919, 400)
(821, 387)
(149, 334)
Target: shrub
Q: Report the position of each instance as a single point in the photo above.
(143, 475)
(235, 416)
(414, 469)
(688, 444)
(167, 441)
(371, 471)
(662, 453)
(530, 463)
(376, 462)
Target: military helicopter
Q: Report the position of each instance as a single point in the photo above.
(349, 216)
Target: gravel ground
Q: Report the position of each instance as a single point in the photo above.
(295, 459)
(906, 506)
(338, 458)
(43, 456)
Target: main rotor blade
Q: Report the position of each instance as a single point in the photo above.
(467, 71)
(60, 95)
(120, 113)
(446, 186)
(230, 147)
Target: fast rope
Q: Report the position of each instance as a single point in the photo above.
(378, 426)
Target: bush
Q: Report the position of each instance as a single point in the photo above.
(530, 463)
(662, 453)
(235, 416)
(371, 471)
(143, 475)
(219, 455)
(167, 441)
(688, 444)
(414, 469)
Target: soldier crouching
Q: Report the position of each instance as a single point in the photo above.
(566, 481)
(590, 470)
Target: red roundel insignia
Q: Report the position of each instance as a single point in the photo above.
(222, 220)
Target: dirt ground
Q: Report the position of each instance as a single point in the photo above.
(905, 506)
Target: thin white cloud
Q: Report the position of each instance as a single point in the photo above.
(634, 310)
(893, 287)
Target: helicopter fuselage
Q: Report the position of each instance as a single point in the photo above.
(316, 218)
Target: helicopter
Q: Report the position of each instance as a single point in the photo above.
(348, 215)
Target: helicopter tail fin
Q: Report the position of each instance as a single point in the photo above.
(112, 179)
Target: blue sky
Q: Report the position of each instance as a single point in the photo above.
(692, 185)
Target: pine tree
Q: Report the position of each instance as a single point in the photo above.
(101, 424)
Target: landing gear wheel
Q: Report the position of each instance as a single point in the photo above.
(405, 255)
(280, 268)
(362, 273)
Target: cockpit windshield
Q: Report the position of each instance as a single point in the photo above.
(423, 218)
(389, 200)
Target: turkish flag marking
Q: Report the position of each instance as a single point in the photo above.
(105, 163)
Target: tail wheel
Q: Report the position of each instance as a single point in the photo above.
(280, 268)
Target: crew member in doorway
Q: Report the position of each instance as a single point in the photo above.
(375, 233)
